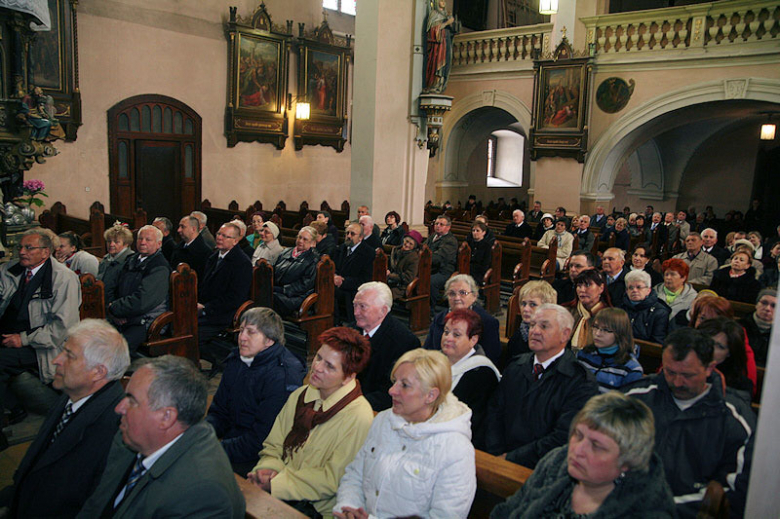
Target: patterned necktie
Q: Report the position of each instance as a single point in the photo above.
(538, 370)
(28, 276)
(64, 419)
(135, 475)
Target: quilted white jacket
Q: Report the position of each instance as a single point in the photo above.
(424, 469)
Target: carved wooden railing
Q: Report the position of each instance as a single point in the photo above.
(501, 45)
(715, 24)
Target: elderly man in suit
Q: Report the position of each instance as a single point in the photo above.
(39, 301)
(203, 230)
(389, 340)
(192, 249)
(444, 255)
(64, 464)
(518, 228)
(141, 291)
(166, 460)
(710, 245)
(354, 261)
(224, 287)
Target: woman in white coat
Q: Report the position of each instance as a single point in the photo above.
(417, 459)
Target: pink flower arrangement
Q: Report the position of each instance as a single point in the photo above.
(31, 189)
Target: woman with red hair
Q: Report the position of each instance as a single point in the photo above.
(675, 291)
(320, 428)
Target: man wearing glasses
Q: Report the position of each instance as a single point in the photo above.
(444, 255)
(354, 261)
(39, 301)
(224, 287)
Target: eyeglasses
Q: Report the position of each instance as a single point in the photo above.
(602, 330)
(30, 247)
(223, 235)
(636, 287)
(350, 233)
(461, 293)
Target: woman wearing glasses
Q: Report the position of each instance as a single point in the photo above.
(611, 356)
(461, 292)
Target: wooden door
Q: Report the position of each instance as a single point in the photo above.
(154, 157)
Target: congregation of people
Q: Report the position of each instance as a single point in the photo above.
(380, 422)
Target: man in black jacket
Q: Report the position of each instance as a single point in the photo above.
(580, 260)
(444, 256)
(389, 340)
(168, 243)
(192, 249)
(540, 392)
(612, 263)
(141, 291)
(224, 287)
(518, 228)
(709, 238)
(354, 262)
(64, 464)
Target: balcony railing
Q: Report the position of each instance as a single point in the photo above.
(513, 44)
(716, 24)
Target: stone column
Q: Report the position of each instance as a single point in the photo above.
(388, 168)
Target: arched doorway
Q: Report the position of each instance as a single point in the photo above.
(154, 156)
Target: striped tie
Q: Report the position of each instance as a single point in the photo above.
(132, 479)
(66, 415)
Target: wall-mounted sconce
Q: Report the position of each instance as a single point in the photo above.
(302, 108)
(768, 132)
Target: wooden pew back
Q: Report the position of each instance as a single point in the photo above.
(418, 294)
(93, 298)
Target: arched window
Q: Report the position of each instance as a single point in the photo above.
(505, 159)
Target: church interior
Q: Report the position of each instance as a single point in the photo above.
(158, 108)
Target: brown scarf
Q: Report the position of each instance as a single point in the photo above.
(306, 419)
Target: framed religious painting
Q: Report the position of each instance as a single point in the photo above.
(53, 65)
(560, 109)
(322, 83)
(257, 79)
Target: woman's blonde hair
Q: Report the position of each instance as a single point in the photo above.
(433, 371)
(542, 289)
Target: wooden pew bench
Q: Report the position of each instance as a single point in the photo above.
(261, 505)
(497, 479)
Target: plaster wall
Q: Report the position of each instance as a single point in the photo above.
(558, 183)
(125, 49)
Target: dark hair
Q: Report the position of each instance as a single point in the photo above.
(588, 256)
(325, 214)
(256, 213)
(589, 276)
(643, 247)
(396, 215)
(74, 239)
(470, 317)
(561, 209)
(445, 218)
(685, 340)
(481, 226)
(734, 368)
(353, 346)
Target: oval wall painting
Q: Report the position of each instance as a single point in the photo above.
(613, 94)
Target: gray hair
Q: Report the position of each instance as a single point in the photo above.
(201, 216)
(626, 420)
(233, 225)
(518, 211)
(311, 230)
(192, 221)
(102, 345)
(157, 232)
(710, 229)
(45, 239)
(241, 226)
(463, 278)
(382, 292)
(177, 383)
(165, 221)
(366, 218)
(267, 321)
(563, 316)
(639, 275)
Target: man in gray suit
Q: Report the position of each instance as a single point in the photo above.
(444, 256)
(165, 460)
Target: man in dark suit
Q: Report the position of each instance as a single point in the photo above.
(354, 261)
(612, 264)
(535, 215)
(371, 239)
(663, 233)
(599, 219)
(518, 228)
(444, 256)
(203, 230)
(168, 243)
(224, 287)
(166, 460)
(578, 261)
(709, 238)
(192, 249)
(64, 464)
(585, 237)
(389, 340)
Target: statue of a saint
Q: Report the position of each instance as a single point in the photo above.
(438, 53)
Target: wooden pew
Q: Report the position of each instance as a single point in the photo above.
(93, 298)
(182, 318)
(260, 504)
(380, 266)
(742, 309)
(537, 263)
(491, 287)
(463, 263)
(649, 355)
(497, 479)
(217, 217)
(316, 312)
(418, 294)
(59, 221)
(715, 505)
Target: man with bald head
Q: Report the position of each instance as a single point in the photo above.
(612, 263)
(539, 393)
(192, 249)
(141, 291)
(518, 228)
(354, 261)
